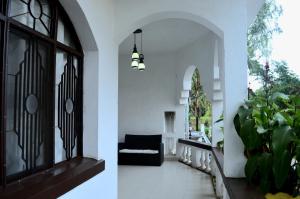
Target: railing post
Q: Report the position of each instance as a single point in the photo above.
(189, 153)
(208, 161)
(185, 154)
(203, 166)
(179, 151)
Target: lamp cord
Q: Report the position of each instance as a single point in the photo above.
(134, 39)
(142, 42)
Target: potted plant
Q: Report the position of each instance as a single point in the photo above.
(269, 127)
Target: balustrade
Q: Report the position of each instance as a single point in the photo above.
(210, 160)
(195, 154)
(199, 156)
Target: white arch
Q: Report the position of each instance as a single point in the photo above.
(80, 22)
(187, 78)
(123, 34)
(91, 59)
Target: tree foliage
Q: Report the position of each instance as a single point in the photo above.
(280, 79)
(199, 105)
(261, 33)
(285, 81)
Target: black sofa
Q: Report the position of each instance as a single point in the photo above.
(147, 150)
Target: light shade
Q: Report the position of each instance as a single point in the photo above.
(135, 55)
(141, 66)
(134, 64)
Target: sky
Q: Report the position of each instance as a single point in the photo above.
(287, 44)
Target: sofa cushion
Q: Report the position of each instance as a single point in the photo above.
(143, 141)
(141, 151)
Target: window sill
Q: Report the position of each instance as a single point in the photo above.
(236, 187)
(56, 181)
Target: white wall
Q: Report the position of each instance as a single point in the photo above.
(145, 96)
(102, 25)
(199, 54)
(93, 23)
(228, 20)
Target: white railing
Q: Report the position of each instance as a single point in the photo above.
(196, 154)
(218, 180)
(199, 156)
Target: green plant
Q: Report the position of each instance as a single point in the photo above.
(199, 106)
(269, 127)
(220, 144)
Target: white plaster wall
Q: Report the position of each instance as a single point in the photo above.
(199, 54)
(228, 20)
(145, 96)
(112, 21)
(93, 21)
(253, 6)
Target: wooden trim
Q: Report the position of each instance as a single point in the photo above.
(56, 181)
(195, 144)
(237, 188)
(68, 49)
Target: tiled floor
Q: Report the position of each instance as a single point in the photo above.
(173, 180)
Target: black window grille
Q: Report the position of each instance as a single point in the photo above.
(41, 88)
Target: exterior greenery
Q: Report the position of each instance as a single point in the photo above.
(269, 126)
(269, 121)
(199, 106)
(260, 35)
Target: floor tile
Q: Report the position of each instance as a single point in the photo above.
(173, 180)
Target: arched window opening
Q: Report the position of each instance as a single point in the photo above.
(41, 90)
(200, 115)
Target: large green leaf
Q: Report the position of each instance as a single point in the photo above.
(261, 129)
(298, 170)
(289, 118)
(280, 119)
(237, 124)
(281, 168)
(282, 137)
(251, 168)
(278, 95)
(296, 100)
(298, 152)
(264, 165)
(250, 137)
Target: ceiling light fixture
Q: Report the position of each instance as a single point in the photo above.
(137, 60)
(141, 66)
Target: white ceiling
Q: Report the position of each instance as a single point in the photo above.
(163, 36)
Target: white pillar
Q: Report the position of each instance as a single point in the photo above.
(217, 103)
(235, 92)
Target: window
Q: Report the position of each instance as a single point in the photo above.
(41, 91)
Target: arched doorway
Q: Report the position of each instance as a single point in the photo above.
(200, 116)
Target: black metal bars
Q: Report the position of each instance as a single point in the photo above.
(34, 91)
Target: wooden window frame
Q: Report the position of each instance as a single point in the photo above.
(7, 24)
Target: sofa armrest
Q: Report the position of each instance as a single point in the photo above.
(161, 148)
(121, 145)
(162, 152)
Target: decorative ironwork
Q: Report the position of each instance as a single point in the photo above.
(34, 11)
(67, 110)
(30, 98)
(27, 102)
